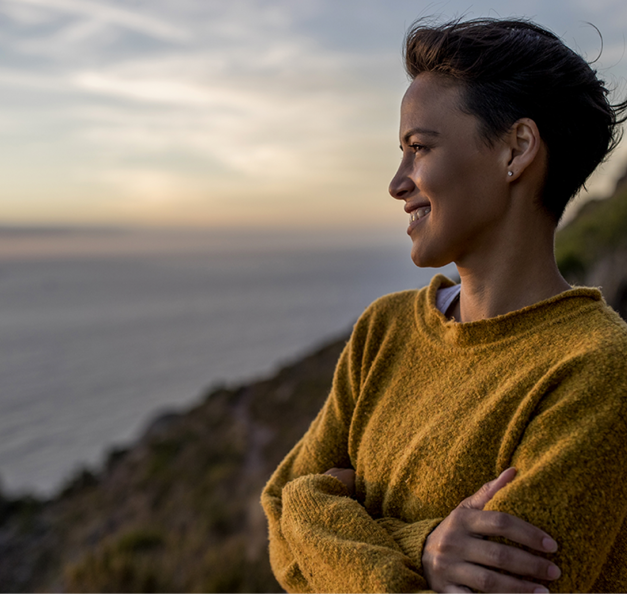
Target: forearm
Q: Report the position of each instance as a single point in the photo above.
(410, 537)
(336, 545)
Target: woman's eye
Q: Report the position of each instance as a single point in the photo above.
(414, 148)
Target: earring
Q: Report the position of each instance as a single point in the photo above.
(510, 173)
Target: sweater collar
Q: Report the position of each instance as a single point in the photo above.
(504, 327)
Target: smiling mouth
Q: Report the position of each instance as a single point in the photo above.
(419, 213)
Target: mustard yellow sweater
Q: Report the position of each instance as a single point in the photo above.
(427, 410)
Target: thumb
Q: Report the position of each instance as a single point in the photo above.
(483, 495)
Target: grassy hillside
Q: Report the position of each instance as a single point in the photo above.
(600, 227)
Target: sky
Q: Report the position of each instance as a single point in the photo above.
(238, 113)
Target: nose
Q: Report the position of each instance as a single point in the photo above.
(401, 185)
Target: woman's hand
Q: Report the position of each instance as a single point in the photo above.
(346, 475)
(457, 557)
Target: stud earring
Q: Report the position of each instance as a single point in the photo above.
(510, 173)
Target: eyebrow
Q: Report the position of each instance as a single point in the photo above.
(423, 131)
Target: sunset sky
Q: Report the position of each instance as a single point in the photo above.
(228, 112)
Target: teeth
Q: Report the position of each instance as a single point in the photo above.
(419, 213)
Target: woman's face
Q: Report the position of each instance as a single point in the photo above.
(454, 186)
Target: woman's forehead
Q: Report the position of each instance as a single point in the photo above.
(432, 101)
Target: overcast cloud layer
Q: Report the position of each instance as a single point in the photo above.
(244, 112)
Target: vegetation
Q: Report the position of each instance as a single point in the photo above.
(600, 227)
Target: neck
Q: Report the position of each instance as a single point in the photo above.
(514, 275)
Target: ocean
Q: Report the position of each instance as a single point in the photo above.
(100, 332)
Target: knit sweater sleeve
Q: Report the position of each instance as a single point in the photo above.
(322, 540)
(572, 476)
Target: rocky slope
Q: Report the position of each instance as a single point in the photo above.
(179, 510)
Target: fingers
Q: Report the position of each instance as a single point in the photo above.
(460, 543)
(492, 523)
(341, 473)
(483, 579)
(345, 475)
(507, 476)
(489, 490)
(516, 561)
(457, 556)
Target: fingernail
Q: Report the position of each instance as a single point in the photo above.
(553, 572)
(549, 544)
(540, 590)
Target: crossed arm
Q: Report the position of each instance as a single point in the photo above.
(571, 482)
(324, 541)
(456, 556)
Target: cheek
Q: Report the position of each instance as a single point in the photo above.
(473, 178)
(453, 170)
(438, 181)
(460, 178)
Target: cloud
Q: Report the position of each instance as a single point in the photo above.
(24, 14)
(31, 80)
(266, 118)
(149, 187)
(260, 135)
(114, 15)
(147, 89)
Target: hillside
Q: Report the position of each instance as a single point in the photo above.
(179, 510)
(592, 249)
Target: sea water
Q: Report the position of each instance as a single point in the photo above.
(93, 344)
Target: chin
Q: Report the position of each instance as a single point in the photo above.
(424, 259)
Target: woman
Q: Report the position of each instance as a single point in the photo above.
(511, 374)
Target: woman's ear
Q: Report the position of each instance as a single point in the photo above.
(524, 144)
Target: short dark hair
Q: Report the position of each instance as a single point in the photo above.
(511, 69)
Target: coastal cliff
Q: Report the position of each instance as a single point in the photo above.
(179, 509)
